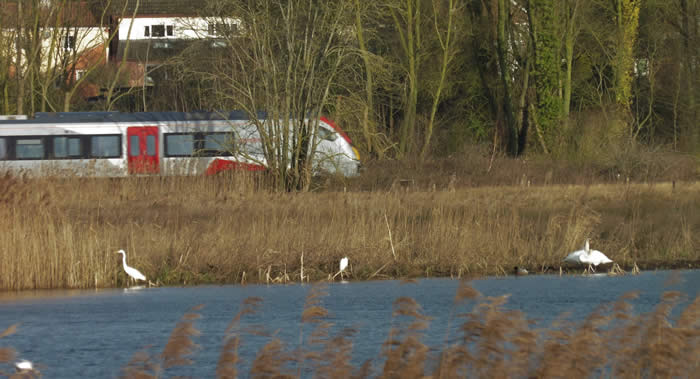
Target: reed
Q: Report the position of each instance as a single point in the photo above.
(7, 354)
(62, 233)
(177, 351)
(491, 341)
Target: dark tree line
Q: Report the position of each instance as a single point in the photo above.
(414, 77)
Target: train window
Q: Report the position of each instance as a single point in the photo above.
(3, 149)
(134, 148)
(179, 145)
(151, 145)
(66, 147)
(327, 134)
(105, 146)
(29, 148)
(218, 144)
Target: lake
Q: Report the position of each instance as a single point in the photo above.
(94, 333)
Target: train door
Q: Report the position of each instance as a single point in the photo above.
(142, 149)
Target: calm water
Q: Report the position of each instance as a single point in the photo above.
(95, 333)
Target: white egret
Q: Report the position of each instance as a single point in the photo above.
(587, 256)
(343, 266)
(24, 366)
(132, 272)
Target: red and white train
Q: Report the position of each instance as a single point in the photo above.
(115, 144)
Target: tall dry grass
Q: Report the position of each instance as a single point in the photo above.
(62, 233)
(489, 341)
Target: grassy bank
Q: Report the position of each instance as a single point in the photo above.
(489, 341)
(62, 233)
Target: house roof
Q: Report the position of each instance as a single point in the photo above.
(84, 13)
(158, 7)
(71, 13)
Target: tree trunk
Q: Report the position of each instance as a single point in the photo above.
(18, 61)
(368, 125)
(446, 43)
(571, 32)
(541, 15)
(689, 36)
(627, 23)
(410, 38)
(504, 67)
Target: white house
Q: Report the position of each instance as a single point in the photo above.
(76, 36)
(157, 29)
(69, 35)
(154, 27)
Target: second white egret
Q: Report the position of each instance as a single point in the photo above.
(343, 266)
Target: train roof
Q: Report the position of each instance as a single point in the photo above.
(79, 117)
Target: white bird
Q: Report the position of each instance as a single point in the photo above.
(343, 266)
(24, 366)
(132, 272)
(587, 256)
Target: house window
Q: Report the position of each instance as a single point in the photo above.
(69, 42)
(162, 45)
(221, 29)
(158, 30)
(79, 74)
(3, 149)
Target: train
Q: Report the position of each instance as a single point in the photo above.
(119, 144)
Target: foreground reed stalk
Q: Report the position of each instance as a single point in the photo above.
(62, 233)
(487, 341)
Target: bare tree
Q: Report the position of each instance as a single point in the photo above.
(8, 58)
(283, 59)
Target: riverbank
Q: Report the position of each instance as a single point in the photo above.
(63, 233)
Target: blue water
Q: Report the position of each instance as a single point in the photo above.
(95, 333)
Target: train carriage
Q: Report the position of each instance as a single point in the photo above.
(114, 144)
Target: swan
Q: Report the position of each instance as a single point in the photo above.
(132, 272)
(587, 256)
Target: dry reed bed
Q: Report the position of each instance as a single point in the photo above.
(490, 342)
(63, 233)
